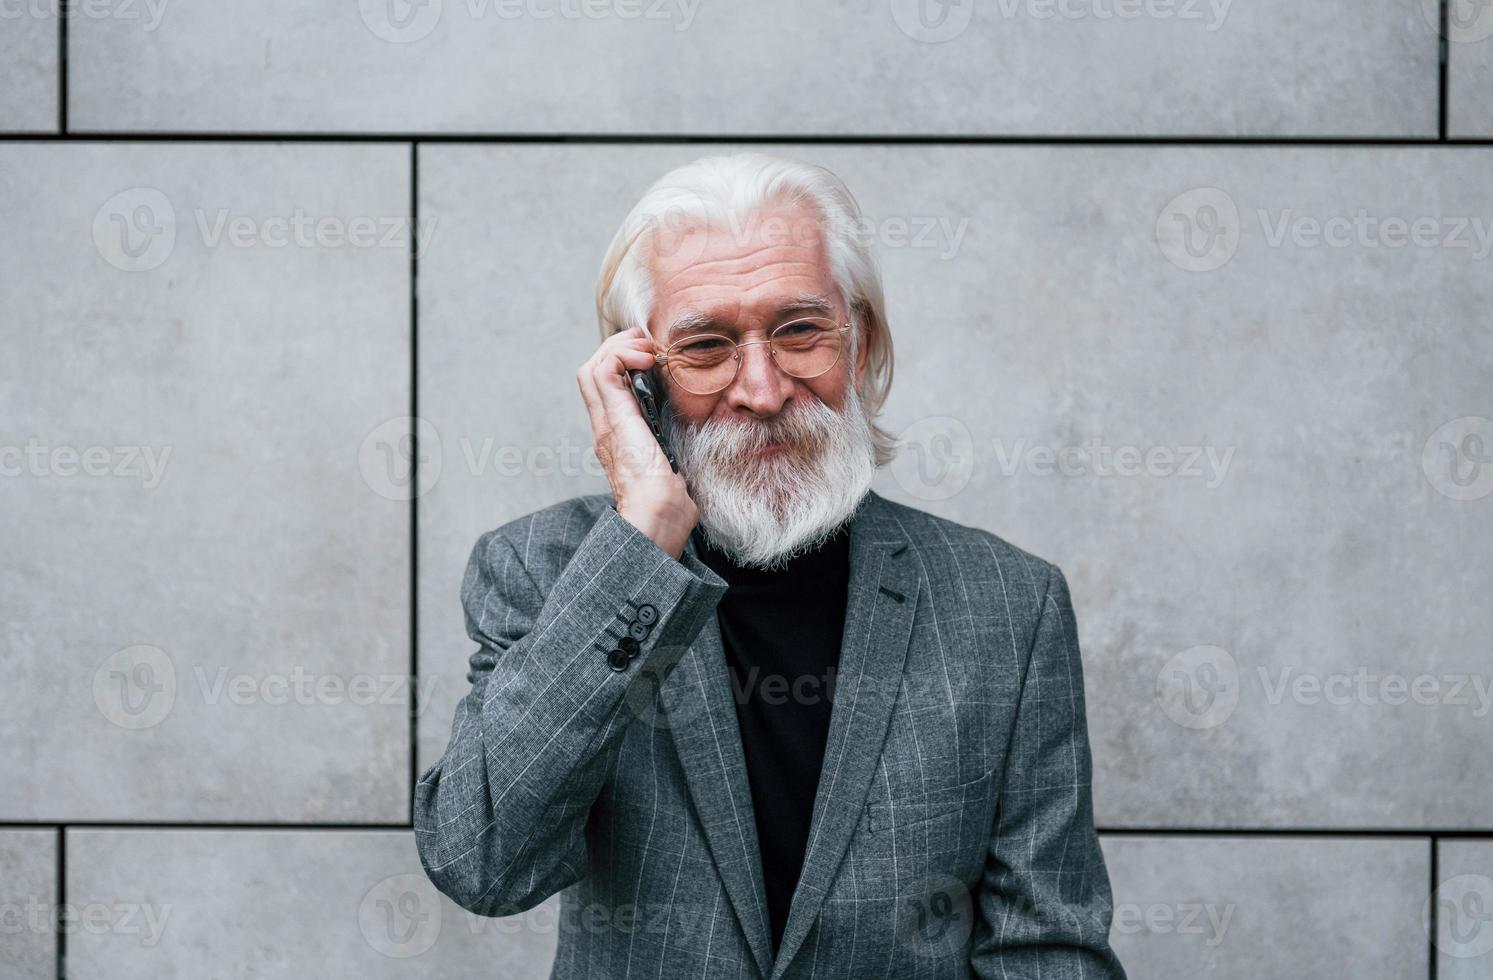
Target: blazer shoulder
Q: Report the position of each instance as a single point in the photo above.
(942, 541)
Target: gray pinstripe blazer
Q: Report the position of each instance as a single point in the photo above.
(952, 835)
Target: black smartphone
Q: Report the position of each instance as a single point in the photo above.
(642, 389)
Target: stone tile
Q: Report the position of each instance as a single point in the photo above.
(1235, 908)
(285, 904)
(1036, 312)
(1215, 67)
(28, 68)
(1469, 79)
(207, 599)
(28, 897)
(1464, 909)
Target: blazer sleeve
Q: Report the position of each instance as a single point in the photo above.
(1043, 904)
(500, 817)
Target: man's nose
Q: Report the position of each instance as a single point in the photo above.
(760, 386)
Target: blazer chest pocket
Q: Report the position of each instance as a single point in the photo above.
(902, 812)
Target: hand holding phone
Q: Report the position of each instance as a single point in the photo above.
(624, 401)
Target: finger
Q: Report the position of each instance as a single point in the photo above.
(613, 385)
(632, 337)
(621, 351)
(595, 409)
(628, 348)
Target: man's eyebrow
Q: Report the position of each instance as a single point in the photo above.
(694, 321)
(807, 303)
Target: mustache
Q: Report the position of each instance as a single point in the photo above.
(806, 425)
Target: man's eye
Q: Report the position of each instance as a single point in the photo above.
(800, 329)
(703, 345)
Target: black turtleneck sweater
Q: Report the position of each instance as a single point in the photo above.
(782, 631)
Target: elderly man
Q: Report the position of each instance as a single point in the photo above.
(750, 718)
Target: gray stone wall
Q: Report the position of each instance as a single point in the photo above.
(1191, 298)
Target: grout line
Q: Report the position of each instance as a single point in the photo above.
(62, 9)
(654, 139)
(1443, 69)
(1431, 919)
(61, 902)
(1346, 832)
(414, 577)
(1403, 833)
(193, 825)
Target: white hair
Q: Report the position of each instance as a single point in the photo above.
(713, 190)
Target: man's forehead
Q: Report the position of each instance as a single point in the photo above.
(677, 241)
(733, 271)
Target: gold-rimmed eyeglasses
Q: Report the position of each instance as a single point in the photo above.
(804, 347)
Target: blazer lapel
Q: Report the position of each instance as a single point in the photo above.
(883, 594)
(700, 712)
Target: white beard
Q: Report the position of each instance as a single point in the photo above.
(764, 510)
